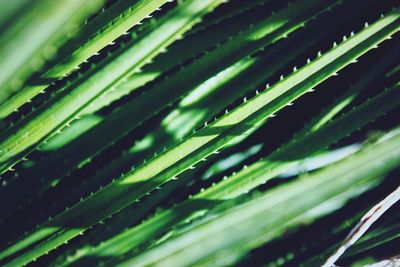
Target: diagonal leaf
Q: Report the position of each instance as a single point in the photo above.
(20, 139)
(204, 142)
(240, 229)
(113, 22)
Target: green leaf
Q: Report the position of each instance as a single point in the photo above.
(240, 229)
(201, 144)
(19, 58)
(22, 138)
(113, 22)
(248, 178)
(244, 75)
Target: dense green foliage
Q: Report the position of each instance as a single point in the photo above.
(197, 132)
